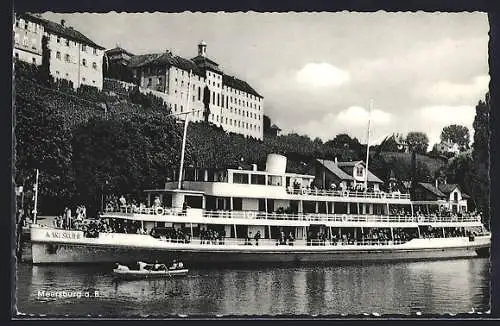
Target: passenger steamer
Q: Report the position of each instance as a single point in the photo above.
(297, 218)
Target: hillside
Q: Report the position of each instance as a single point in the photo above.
(89, 142)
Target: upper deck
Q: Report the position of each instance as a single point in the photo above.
(200, 216)
(275, 183)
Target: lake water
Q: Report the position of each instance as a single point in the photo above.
(432, 287)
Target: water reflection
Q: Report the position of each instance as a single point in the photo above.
(453, 286)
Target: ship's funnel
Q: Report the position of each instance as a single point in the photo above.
(276, 163)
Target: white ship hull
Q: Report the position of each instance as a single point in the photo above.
(60, 246)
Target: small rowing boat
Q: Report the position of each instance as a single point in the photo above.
(147, 271)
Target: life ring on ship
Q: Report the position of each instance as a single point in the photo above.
(304, 191)
(420, 219)
(109, 208)
(251, 215)
(382, 195)
(344, 218)
(345, 193)
(158, 209)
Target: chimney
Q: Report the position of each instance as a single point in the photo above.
(202, 49)
(63, 22)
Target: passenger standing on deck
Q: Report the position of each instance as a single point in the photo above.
(123, 201)
(184, 208)
(68, 218)
(257, 237)
(157, 202)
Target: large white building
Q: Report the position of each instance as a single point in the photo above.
(73, 56)
(234, 104)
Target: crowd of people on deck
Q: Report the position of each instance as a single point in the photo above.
(360, 187)
(171, 234)
(211, 236)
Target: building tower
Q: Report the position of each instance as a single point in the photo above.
(202, 49)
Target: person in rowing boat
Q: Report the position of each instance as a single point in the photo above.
(174, 265)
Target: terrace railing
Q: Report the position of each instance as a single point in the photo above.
(346, 193)
(316, 217)
(311, 217)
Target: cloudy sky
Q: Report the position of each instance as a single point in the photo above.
(318, 72)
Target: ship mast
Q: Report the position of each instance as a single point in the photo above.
(181, 168)
(368, 144)
(36, 197)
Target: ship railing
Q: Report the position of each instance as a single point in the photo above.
(316, 217)
(346, 193)
(277, 242)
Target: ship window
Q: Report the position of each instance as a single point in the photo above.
(258, 179)
(240, 178)
(274, 180)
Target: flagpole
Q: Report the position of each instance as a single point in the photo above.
(368, 144)
(181, 168)
(36, 197)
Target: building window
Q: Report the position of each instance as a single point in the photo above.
(95, 51)
(159, 80)
(16, 55)
(194, 98)
(67, 58)
(26, 25)
(239, 124)
(213, 98)
(17, 24)
(94, 65)
(58, 55)
(199, 93)
(175, 107)
(226, 120)
(182, 108)
(58, 39)
(57, 73)
(84, 48)
(33, 60)
(150, 81)
(67, 42)
(218, 99)
(222, 100)
(84, 62)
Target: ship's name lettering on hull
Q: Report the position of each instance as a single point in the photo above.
(63, 235)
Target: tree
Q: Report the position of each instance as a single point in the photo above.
(42, 142)
(481, 125)
(417, 141)
(266, 123)
(480, 181)
(44, 70)
(344, 141)
(456, 134)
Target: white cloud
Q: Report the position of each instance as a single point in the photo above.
(322, 75)
(432, 119)
(446, 92)
(357, 116)
(353, 121)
